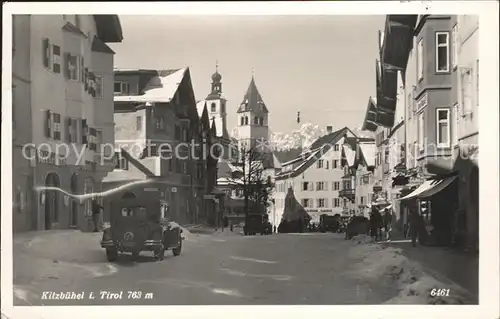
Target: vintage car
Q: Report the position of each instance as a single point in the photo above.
(140, 225)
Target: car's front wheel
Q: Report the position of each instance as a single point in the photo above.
(177, 251)
(111, 254)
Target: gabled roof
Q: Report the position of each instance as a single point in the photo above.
(160, 88)
(99, 46)
(318, 148)
(368, 151)
(108, 27)
(252, 101)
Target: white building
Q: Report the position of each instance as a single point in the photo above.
(70, 103)
(315, 177)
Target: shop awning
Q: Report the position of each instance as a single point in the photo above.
(439, 187)
(430, 188)
(425, 186)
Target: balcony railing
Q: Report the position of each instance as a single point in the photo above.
(347, 193)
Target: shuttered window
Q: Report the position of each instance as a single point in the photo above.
(57, 126)
(56, 58)
(48, 124)
(46, 53)
(84, 130)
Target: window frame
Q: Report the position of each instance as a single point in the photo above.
(456, 116)
(420, 131)
(437, 47)
(438, 122)
(420, 59)
(99, 83)
(455, 40)
(122, 85)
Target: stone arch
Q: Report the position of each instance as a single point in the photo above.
(242, 120)
(52, 199)
(261, 120)
(246, 120)
(255, 120)
(213, 107)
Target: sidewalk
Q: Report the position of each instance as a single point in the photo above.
(57, 254)
(446, 264)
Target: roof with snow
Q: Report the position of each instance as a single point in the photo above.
(368, 150)
(308, 158)
(160, 88)
(252, 101)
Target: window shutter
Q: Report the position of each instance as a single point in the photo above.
(56, 65)
(67, 58)
(68, 130)
(45, 52)
(48, 124)
(84, 131)
(86, 79)
(57, 126)
(92, 84)
(82, 67)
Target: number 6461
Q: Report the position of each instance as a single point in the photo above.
(440, 292)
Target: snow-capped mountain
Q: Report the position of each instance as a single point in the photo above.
(301, 138)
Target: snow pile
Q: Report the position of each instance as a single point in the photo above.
(419, 292)
(388, 265)
(362, 239)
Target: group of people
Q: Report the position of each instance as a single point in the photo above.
(380, 222)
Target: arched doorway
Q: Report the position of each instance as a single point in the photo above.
(51, 200)
(74, 204)
(129, 195)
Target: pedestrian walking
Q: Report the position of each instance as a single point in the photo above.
(96, 210)
(375, 223)
(387, 218)
(414, 227)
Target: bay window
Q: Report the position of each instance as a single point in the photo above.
(442, 52)
(443, 127)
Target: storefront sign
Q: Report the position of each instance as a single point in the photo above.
(422, 102)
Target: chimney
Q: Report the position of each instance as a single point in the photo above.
(329, 129)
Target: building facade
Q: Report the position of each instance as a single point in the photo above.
(253, 115)
(160, 138)
(69, 124)
(315, 177)
(465, 98)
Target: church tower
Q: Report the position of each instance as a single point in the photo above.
(252, 120)
(216, 104)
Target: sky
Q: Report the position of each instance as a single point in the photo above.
(322, 66)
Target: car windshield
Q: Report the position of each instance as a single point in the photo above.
(136, 211)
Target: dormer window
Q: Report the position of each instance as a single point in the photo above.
(121, 87)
